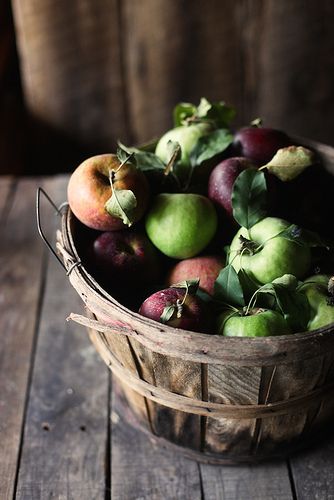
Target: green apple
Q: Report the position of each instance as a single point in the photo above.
(265, 255)
(257, 323)
(186, 136)
(181, 225)
(322, 311)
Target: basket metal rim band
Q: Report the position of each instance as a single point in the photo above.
(204, 408)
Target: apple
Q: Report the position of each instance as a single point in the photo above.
(221, 181)
(186, 136)
(181, 225)
(189, 312)
(257, 323)
(89, 189)
(259, 144)
(204, 267)
(125, 257)
(265, 255)
(320, 300)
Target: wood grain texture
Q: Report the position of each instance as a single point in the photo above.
(176, 51)
(313, 471)
(21, 274)
(71, 67)
(286, 382)
(232, 385)
(122, 350)
(140, 470)
(66, 429)
(251, 482)
(295, 71)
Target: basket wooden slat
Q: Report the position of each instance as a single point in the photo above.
(218, 399)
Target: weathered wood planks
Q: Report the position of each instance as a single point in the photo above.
(313, 471)
(21, 274)
(247, 482)
(64, 451)
(140, 469)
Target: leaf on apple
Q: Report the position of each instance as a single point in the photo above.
(122, 204)
(144, 160)
(182, 111)
(289, 162)
(287, 280)
(303, 237)
(190, 285)
(228, 289)
(289, 301)
(217, 113)
(247, 284)
(124, 156)
(210, 145)
(249, 197)
(167, 313)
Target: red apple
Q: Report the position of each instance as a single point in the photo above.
(222, 179)
(89, 189)
(124, 258)
(189, 313)
(205, 267)
(259, 144)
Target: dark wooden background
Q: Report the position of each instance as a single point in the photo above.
(94, 71)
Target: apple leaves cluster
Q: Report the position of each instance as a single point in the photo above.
(216, 139)
(238, 292)
(249, 203)
(217, 114)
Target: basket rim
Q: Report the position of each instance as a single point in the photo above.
(205, 347)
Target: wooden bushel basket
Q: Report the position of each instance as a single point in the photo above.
(216, 399)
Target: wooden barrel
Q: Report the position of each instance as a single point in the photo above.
(218, 399)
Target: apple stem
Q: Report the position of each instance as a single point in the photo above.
(251, 302)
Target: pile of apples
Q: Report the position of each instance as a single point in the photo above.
(192, 230)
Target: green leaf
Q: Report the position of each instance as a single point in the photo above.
(182, 111)
(228, 288)
(148, 162)
(289, 162)
(287, 280)
(289, 301)
(167, 313)
(303, 237)
(203, 108)
(249, 197)
(217, 113)
(247, 284)
(294, 307)
(210, 145)
(220, 114)
(122, 204)
(123, 155)
(204, 296)
(190, 285)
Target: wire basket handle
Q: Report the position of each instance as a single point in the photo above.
(38, 218)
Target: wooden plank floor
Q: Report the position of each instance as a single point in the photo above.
(62, 434)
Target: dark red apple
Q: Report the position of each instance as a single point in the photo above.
(259, 144)
(221, 181)
(189, 313)
(89, 189)
(205, 267)
(120, 259)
